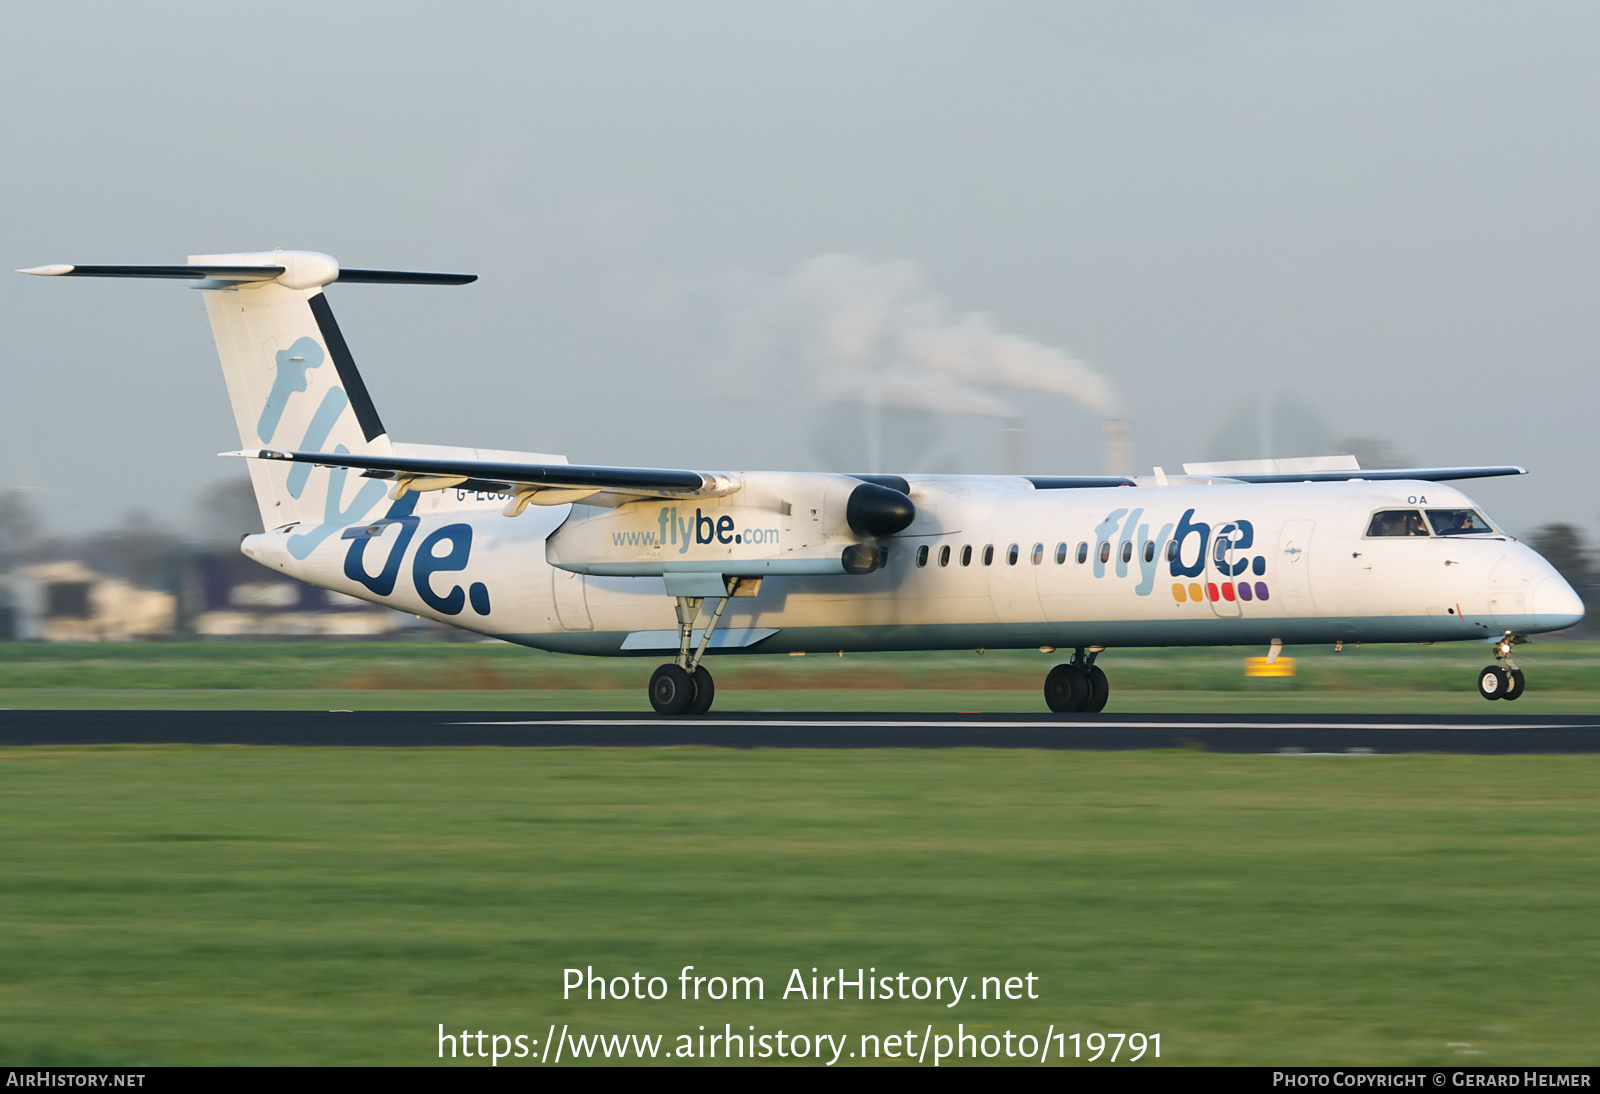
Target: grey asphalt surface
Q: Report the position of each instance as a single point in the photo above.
(1483, 734)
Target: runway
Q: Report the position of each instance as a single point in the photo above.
(1293, 734)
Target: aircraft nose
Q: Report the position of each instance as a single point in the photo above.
(1556, 604)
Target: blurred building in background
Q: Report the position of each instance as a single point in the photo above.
(226, 595)
(69, 602)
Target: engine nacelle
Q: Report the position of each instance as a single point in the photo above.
(779, 523)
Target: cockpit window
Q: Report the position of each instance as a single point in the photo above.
(1458, 522)
(1397, 522)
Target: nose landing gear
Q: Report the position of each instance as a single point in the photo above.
(1502, 680)
(1079, 686)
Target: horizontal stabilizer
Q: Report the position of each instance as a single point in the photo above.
(191, 273)
(522, 479)
(406, 277)
(202, 272)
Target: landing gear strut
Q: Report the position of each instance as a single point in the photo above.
(1077, 686)
(685, 686)
(1502, 680)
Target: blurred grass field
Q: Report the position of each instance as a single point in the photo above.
(1563, 677)
(183, 905)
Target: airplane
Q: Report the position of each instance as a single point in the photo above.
(656, 562)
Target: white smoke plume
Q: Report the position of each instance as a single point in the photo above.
(875, 333)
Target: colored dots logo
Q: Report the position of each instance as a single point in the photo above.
(1228, 591)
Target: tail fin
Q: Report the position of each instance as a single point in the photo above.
(290, 376)
(292, 382)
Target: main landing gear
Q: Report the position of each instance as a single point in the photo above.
(685, 686)
(1079, 686)
(1502, 680)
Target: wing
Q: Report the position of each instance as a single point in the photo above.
(1422, 474)
(527, 483)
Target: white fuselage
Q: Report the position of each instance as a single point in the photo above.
(1298, 567)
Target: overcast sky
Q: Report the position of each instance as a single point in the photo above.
(1374, 220)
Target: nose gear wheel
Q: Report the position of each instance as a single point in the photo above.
(1502, 680)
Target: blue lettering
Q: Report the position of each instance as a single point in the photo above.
(724, 529)
(302, 544)
(1185, 530)
(293, 364)
(1127, 535)
(1147, 570)
(355, 559)
(1102, 534)
(1238, 536)
(425, 565)
(333, 404)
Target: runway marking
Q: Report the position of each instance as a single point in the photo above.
(841, 722)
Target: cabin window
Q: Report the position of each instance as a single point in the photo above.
(944, 555)
(1458, 522)
(1061, 553)
(1219, 552)
(1105, 552)
(1038, 553)
(1397, 522)
(966, 554)
(988, 554)
(1127, 551)
(1150, 550)
(1083, 553)
(1011, 555)
(922, 555)
(1172, 550)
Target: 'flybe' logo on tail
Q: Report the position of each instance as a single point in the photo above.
(292, 377)
(293, 364)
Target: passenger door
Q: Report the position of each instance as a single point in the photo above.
(1291, 583)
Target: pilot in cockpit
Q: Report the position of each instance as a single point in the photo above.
(1415, 525)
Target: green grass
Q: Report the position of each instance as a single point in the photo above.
(1562, 677)
(238, 905)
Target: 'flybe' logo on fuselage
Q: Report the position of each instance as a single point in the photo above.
(685, 531)
(1186, 550)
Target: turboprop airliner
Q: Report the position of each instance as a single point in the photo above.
(680, 564)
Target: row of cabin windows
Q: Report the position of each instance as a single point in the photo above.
(1036, 556)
